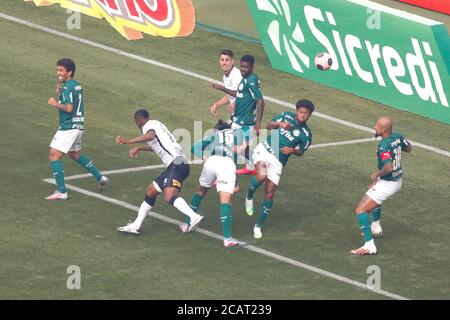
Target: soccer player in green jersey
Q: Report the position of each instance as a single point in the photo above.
(67, 139)
(386, 181)
(290, 135)
(221, 150)
(248, 99)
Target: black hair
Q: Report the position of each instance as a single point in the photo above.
(227, 52)
(222, 125)
(141, 113)
(68, 64)
(305, 103)
(248, 58)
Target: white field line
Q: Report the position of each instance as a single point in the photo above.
(248, 247)
(198, 76)
(341, 143)
(161, 166)
(134, 169)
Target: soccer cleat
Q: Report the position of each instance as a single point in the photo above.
(245, 171)
(257, 234)
(249, 208)
(195, 222)
(230, 242)
(103, 182)
(368, 248)
(376, 229)
(129, 228)
(57, 196)
(184, 228)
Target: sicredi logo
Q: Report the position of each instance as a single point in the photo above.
(384, 64)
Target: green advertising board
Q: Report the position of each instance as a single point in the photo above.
(383, 54)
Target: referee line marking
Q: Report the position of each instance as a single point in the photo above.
(252, 248)
(198, 76)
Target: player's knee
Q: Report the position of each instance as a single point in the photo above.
(170, 198)
(269, 195)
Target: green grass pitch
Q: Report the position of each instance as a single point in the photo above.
(312, 221)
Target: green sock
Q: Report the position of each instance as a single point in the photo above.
(364, 222)
(225, 217)
(195, 205)
(58, 173)
(253, 186)
(89, 166)
(376, 214)
(265, 210)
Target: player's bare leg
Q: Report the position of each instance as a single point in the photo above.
(171, 197)
(55, 157)
(248, 168)
(270, 189)
(365, 206)
(255, 183)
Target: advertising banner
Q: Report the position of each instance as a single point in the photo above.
(131, 18)
(383, 54)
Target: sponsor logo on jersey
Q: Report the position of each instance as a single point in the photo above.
(296, 132)
(166, 18)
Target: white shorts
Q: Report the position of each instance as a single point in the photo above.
(383, 190)
(273, 165)
(221, 169)
(67, 140)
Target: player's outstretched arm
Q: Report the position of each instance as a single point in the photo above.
(143, 138)
(219, 103)
(222, 88)
(134, 152)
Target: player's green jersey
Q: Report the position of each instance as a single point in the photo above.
(248, 93)
(221, 143)
(298, 136)
(390, 150)
(71, 93)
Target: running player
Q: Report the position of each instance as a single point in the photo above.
(290, 135)
(386, 181)
(161, 141)
(70, 105)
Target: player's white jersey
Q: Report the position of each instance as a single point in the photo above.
(232, 81)
(164, 144)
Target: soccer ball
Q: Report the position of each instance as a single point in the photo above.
(323, 61)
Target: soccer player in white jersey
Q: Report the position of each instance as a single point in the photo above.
(161, 141)
(231, 78)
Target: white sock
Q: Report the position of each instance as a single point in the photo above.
(376, 223)
(144, 209)
(249, 164)
(370, 243)
(182, 206)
